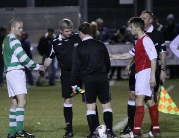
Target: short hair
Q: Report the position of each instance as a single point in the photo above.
(13, 22)
(99, 20)
(66, 24)
(150, 13)
(50, 30)
(138, 22)
(85, 28)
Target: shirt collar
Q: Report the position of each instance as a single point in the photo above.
(150, 29)
(86, 38)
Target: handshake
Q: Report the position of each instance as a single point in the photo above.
(42, 70)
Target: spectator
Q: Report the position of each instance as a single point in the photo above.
(118, 37)
(94, 28)
(156, 24)
(43, 49)
(3, 32)
(104, 32)
(27, 48)
(170, 31)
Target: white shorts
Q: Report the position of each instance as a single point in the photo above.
(16, 82)
(142, 85)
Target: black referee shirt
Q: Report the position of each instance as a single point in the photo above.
(90, 57)
(63, 50)
(158, 39)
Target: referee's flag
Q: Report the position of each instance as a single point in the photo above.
(166, 104)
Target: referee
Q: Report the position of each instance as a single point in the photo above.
(91, 62)
(62, 47)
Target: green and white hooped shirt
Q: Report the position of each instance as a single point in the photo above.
(14, 56)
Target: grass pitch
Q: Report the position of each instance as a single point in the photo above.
(44, 112)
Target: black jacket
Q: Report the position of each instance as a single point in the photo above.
(90, 57)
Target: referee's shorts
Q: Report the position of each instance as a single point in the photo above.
(66, 84)
(96, 86)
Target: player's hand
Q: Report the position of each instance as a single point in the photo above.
(112, 57)
(42, 70)
(74, 89)
(152, 82)
(127, 69)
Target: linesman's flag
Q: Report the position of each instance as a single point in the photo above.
(166, 104)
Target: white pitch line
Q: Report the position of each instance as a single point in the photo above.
(122, 123)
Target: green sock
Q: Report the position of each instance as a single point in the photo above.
(12, 121)
(19, 119)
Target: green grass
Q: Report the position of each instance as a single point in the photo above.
(44, 112)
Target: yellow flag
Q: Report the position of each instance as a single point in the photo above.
(166, 104)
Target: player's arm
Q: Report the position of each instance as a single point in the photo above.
(127, 69)
(163, 56)
(121, 56)
(152, 55)
(22, 56)
(48, 60)
(152, 74)
(75, 72)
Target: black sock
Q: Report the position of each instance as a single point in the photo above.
(131, 114)
(97, 117)
(92, 122)
(108, 120)
(68, 114)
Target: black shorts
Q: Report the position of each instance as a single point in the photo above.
(96, 86)
(66, 84)
(132, 78)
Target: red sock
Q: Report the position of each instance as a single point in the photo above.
(139, 115)
(153, 111)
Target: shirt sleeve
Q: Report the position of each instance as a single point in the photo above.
(22, 56)
(174, 46)
(75, 73)
(163, 45)
(149, 48)
(132, 51)
(51, 54)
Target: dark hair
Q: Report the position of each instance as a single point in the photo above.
(150, 13)
(138, 22)
(85, 28)
(50, 30)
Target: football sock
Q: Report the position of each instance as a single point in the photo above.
(91, 118)
(97, 117)
(19, 119)
(108, 119)
(68, 114)
(139, 115)
(12, 121)
(154, 118)
(131, 113)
